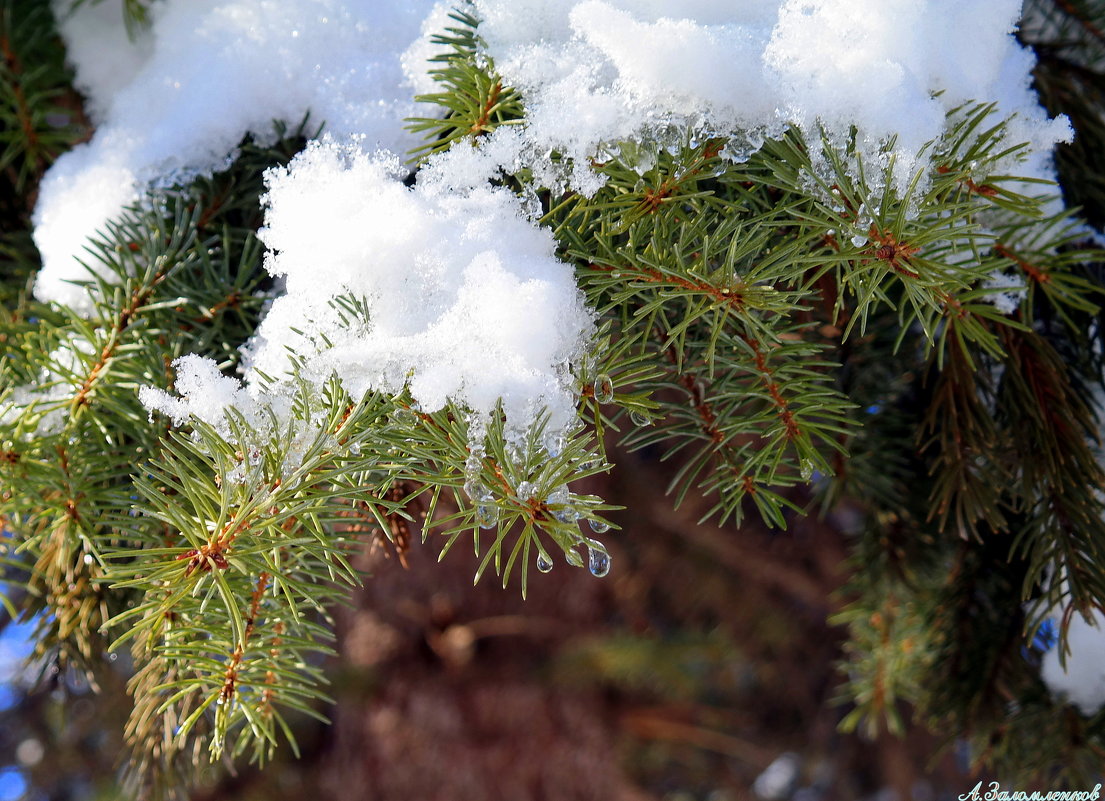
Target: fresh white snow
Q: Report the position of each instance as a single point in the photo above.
(594, 72)
(177, 102)
(462, 296)
(1082, 680)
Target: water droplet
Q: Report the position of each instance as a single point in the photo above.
(599, 526)
(525, 491)
(604, 389)
(572, 557)
(405, 416)
(859, 240)
(806, 468)
(598, 562)
(640, 419)
(590, 464)
(475, 489)
(354, 449)
(544, 564)
(487, 516)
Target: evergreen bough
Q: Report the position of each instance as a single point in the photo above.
(746, 335)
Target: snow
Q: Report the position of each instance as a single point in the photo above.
(105, 58)
(56, 384)
(418, 59)
(1082, 681)
(266, 409)
(176, 103)
(462, 297)
(205, 393)
(1004, 291)
(458, 293)
(597, 72)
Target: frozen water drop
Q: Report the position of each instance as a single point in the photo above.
(487, 516)
(555, 445)
(598, 562)
(859, 240)
(561, 497)
(567, 515)
(525, 491)
(806, 468)
(599, 526)
(476, 490)
(544, 564)
(354, 449)
(604, 389)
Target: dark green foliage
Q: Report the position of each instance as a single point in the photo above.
(1069, 41)
(187, 277)
(40, 116)
(781, 332)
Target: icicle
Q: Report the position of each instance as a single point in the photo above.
(475, 489)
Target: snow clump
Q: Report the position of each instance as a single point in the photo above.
(1082, 680)
(176, 103)
(596, 72)
(446, 289)
(1004, 291)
